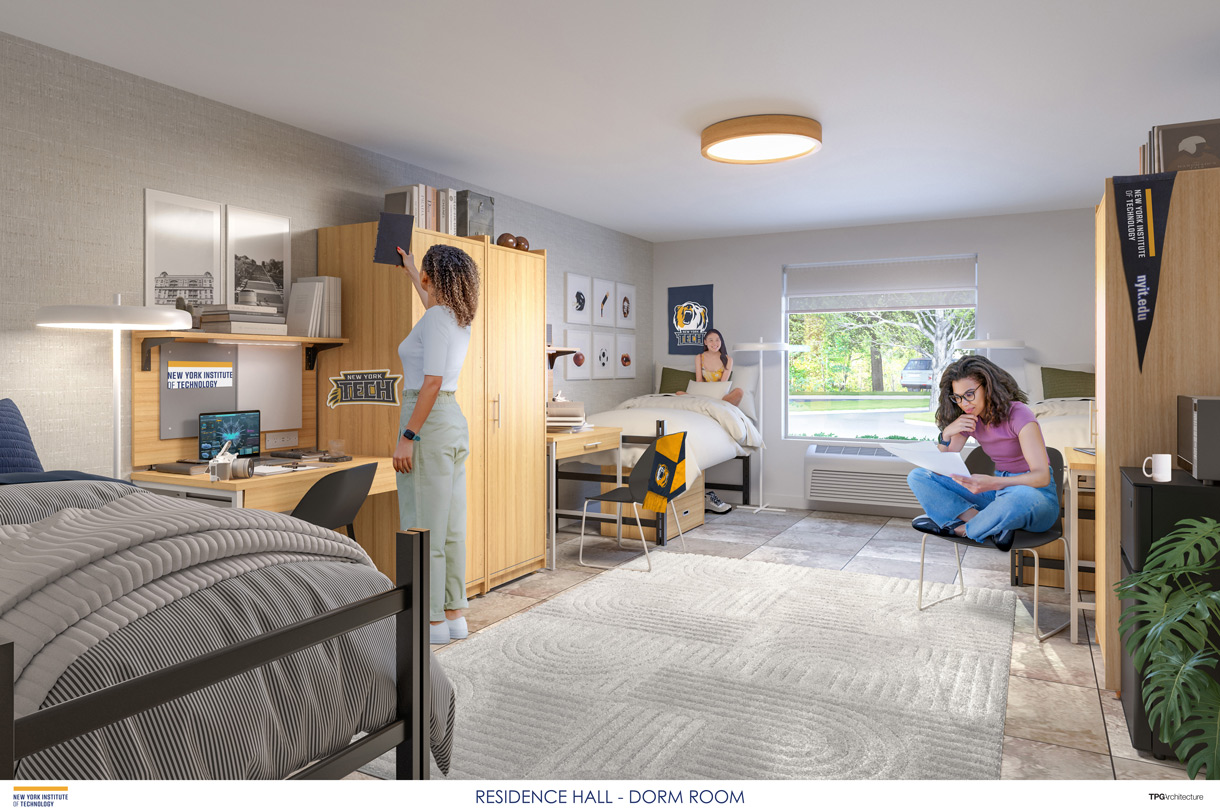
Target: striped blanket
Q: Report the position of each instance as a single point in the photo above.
(100, 582)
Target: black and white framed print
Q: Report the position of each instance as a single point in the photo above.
(259, 258)
(604, 362)
(182, 258)
(603, 303)
(624, 355)
(580, 362)
(577, 297)
(624, 314)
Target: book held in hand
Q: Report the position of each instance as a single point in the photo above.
(393, 232)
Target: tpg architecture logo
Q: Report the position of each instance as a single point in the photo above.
(39, 797)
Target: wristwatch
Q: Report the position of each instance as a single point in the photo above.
(941, 439)
(410, 435)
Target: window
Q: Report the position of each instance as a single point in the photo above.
(879, 335)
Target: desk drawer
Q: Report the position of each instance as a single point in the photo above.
(586, 442)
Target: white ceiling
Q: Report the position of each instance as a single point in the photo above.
(930, 110)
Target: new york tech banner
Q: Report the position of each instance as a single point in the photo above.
(690, 316)
(1142, 205)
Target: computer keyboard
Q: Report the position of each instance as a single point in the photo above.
(298, 453)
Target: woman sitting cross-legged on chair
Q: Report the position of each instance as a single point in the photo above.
(980, 400)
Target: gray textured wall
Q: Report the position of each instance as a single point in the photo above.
(79, 143)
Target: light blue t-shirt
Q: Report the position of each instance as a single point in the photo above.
(436, 345)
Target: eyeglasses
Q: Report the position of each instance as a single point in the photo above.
(967, 396)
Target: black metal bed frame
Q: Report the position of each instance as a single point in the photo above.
(659, 522)
(407, 733)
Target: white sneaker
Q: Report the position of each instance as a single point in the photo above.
(439, 634)
(712, 502)
(457, 628)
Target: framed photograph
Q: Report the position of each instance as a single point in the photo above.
(579, 363)
(259, 257)
(603, 360)
(603, 303)
(182, 256)
(624, 313)
(624, 356)
(577, 296)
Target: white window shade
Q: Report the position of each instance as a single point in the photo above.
(895, 284)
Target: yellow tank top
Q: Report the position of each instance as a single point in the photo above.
(713, 374)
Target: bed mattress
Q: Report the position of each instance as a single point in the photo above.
(103, 582)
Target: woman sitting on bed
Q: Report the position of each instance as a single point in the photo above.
(980, 400)
(714, 364)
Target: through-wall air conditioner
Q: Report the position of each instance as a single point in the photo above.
(860, 479)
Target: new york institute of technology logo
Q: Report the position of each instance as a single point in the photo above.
(661, 476)
(365, 386)
(690, 324)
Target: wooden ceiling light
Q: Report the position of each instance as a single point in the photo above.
(761, 139)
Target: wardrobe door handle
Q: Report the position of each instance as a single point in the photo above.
(496, 400)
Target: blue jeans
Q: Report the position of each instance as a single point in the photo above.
(1016, 507)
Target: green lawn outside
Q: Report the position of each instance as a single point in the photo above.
(922, 417)
(903, 393)
(860, 405)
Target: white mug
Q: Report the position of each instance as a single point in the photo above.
(1160, 467)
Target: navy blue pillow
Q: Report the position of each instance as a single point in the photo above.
(17, 453)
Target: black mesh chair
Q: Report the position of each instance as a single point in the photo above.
(635, 492)
(979, 463)
(335, 499)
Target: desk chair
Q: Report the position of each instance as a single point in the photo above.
(656, 480)
(335, 499)
(1023, 540)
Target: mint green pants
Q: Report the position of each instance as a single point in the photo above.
(433, 496)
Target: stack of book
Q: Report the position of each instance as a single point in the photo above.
(263, 320)
(1175, 147)
(315, 307)
(565, 415)
(433, 209)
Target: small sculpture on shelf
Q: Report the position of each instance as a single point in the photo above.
(523, 244)
(507, 240)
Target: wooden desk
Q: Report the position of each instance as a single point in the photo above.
(281, 493)
(1077, 464)
(566, 445)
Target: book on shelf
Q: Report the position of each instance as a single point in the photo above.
(567, 429)
(315, 307)
(250, 327)
(238, 308)
(261, 318)
(1179, 147)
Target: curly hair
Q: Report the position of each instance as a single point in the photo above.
(455, 281)
(1002, 390)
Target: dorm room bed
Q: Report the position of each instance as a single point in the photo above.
(716, 432)
(154, 638)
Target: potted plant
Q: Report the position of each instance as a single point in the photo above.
(1170, 631)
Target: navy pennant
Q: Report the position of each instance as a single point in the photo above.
(1142, 206)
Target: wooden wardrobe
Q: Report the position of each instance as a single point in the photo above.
(1137, 408)
(501, 392)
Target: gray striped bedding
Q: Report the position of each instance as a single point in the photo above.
(119, 582)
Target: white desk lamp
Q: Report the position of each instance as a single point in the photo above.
(116, 318)
(760, 347)
(988, 344)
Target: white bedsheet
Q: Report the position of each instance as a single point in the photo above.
(715, 431)
(1064, 422)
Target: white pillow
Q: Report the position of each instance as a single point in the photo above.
(745, 378)
(708, 389)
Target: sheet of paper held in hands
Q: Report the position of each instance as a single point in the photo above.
(927, 456)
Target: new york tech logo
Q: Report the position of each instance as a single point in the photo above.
(661, 476)
(690, 323)
(367, 386)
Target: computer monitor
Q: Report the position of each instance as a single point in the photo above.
(240, 429)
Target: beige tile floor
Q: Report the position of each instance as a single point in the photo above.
(1060, 724)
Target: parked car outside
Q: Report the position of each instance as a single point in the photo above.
(917, 375)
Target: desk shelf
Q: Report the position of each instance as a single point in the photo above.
(313, 344)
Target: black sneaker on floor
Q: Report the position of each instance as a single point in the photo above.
(712, 502)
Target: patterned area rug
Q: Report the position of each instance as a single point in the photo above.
(718, 668)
